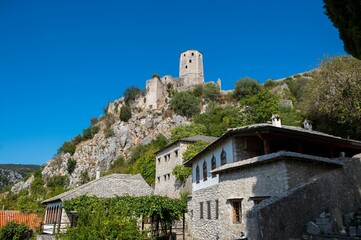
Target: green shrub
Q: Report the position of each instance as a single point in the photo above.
(93, 121)
(181, 173)
(90, 132)
(185, 104)
(77, 139)
(68, 147)
(245, 87)
(193, 149)
(15, 231)
(125, 113)
(132, 93)
(108, 132)
(187, 131)
(71, 164)
(270, 83)
(57, 181)
(211, 91)
(84, 177)
(198, 91)
(155, 75)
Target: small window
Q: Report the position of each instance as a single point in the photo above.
(184, 55)
(176, 153)
(217, 209)
(165, 158)
(190, 60)
(208, 210)
(237, 210)
(197, 174)
(158, 160)
(186, 66)
(165, 177)
(158, 179)
(201, 210)
(192, 53)
(258, 200)
(205, 171)
(223, 157)
(168, 175)
(213, 165)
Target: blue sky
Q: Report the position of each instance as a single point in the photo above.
(62, 61)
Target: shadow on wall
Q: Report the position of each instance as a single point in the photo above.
(285, 216)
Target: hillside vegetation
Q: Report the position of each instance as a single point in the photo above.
(328, 96)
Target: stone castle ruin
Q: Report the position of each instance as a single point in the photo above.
(191, 74)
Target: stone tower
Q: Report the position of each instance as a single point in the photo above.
(191, 68)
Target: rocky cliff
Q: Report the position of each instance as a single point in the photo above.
(103, 149)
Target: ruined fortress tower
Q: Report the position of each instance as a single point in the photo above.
(190, 75)
(191, 68)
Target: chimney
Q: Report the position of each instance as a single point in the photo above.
(307, 124)
(97, 174)
(276, 120)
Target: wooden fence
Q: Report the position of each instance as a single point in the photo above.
(31, 220)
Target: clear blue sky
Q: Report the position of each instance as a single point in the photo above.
(61, 61)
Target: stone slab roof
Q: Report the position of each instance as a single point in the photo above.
(296, 131)
(107, 187)
(276, 156)
(190, 140)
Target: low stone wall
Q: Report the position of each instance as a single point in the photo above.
(45, 237)
(285, 216)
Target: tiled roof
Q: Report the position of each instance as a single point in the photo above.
(31, 220)
(107, 187)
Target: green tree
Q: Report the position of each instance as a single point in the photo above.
(185, 104)
(68, 147)
(260, 107)
(245, 87)
(332, 100)
(15, 231)
(71, 164)
(187, 131)
(211, 91)
(125, 113)
(193, 149)
(218, 119)
(346, 17)
(181, 173)
(132, 93)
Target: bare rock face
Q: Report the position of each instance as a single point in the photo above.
(21, 185)
(101, 151)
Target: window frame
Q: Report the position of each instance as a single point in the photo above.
(223, 157)
(205, 172)
(236, 205)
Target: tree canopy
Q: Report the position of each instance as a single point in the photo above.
(332, 100)
(346, 17)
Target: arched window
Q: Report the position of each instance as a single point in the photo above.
(205, 171)
(197, 174)
(213, 165)
(223, 157)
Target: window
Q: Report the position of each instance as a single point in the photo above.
(217, 209)
(186, 66)
(213, 165)
(158, 160)
(176, 153)
(208, 210)
(197, 174)
(192, 53)
(223, 157)
(204, 171)
(190, 60)
(165, 177)
(165, 158)
(158, 179)
(168, 175)
(201, 210)
(258, 200)
(237, 210)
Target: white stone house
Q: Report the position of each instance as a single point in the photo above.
(248, 165)
(169, 157)
(57, 219)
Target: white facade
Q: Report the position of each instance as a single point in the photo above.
(216, 153)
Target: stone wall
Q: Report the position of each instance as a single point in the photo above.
(204, 228)
(285, 216)
(165, 182)
(191, 67)
(264, 180)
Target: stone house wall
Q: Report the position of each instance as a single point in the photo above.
(336, 189)
(165, 182)
(204, 228)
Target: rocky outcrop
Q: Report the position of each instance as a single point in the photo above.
(8, 176)
(101, 151)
